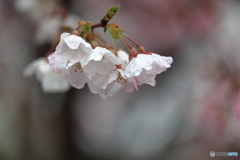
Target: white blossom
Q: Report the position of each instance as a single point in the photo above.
(145, 67)
(35, 9)
(51, 81)
(71, 49)
(74, 75)
(107, 86)
(101, 61)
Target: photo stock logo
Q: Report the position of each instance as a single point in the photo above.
(213, 154)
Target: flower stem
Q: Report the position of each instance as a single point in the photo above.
(114, 44)
(134, 42)
(106, 44)
(96, 25)
(125, 43)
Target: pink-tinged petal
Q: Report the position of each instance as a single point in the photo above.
(133, 82)
(111, 90)
(158, 68)
(99, 80)
(64, 50)
(58, 48)
(96, 85)
(128, 87)
(93, 88)
(146, 77)
(133, 69)
(168, 60)
(57, 62)
(164, 61)
(105, 86)
(129, 84)
(112, 77)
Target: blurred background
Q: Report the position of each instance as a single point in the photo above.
(193, 109)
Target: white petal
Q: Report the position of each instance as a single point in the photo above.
(61, 44)
(133, 69)
(162, 64)
(74, 41)
(133, 82)
(99, 80)
(113, 58)
(54, 83)
(63, 35)
(166, 61)
(169, 60)
(146, 77)
(145, 61)
(124, 57)
(112, 77)
(74, 56)
(50, 81)
(128, 87)
(130, 84)
(100, 53)
(112, 89)
(57, 62)
(93, 88)
(75, 76)
(98, 67)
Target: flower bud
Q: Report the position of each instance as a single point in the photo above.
(94, 44)
(81, 23)
(141, 49)
(75, 32)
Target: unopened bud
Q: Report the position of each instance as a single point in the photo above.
(89, 23)
(75, 32)
(133, 51)
(94, 44)
(81, 23)
(141, 49)
(115, 25)
(111, 13)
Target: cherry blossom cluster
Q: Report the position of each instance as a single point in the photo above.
(84, 57)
